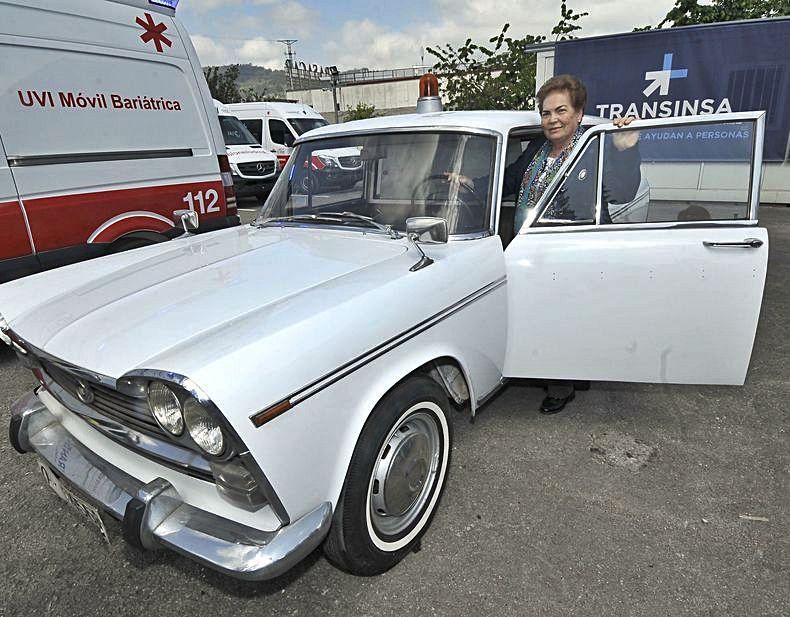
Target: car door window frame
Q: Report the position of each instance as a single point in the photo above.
(757, 117)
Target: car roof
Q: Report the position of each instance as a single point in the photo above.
(487, 120)
(295, 109)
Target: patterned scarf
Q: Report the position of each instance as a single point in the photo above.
(533, 185)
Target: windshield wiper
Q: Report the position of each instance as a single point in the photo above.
(332, 217)
(387, 229)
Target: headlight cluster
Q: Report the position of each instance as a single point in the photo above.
(173, 414)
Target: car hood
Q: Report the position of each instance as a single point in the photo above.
(132, 310)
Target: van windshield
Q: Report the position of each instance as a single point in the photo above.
(388, 178)
(234, 132)
(302, 125)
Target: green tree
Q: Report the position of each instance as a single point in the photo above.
(221, 82)
(251, 95)
(360, 112)
(499, 75)
(690, 12)
(567, 25)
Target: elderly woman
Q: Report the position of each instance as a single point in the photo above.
(561, 101)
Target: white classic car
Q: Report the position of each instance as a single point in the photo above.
(244, 396)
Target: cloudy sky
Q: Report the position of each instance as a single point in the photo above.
(381, 35)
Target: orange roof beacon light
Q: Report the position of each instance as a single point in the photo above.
(429, 100)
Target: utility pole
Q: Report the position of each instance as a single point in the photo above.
(333, 75)
(289, 59)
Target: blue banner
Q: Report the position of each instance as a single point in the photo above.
(743, 66)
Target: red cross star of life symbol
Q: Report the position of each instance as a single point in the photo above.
(153, 32)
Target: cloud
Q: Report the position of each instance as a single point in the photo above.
(262, 52)
(256, 51)
(375, 45)
(209, 51)
(206, 6)
(294, 18)
(367, 44)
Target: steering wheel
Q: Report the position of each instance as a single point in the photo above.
(464, 205)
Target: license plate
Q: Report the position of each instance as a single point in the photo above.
(87, 511)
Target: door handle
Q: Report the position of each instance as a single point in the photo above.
(749, 243)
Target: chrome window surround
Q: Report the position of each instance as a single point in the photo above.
(534, 130)
(496, 167)
(758, 117)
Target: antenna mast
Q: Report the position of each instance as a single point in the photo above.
(289, 59)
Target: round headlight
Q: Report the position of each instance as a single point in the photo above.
(166, 408)
(203, 429)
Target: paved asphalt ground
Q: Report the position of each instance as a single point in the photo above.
(533, 522)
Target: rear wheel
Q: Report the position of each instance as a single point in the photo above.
(395, 479)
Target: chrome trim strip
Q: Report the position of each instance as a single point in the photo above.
(367, 357)
(589, 134)
(19, 199)
(400, 129)
(599, 183)
(96, 157)
(165, 519)
(757, 166)
(745, 223)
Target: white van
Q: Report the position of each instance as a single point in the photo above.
(254, 169)
(106, 128)
(277, 125)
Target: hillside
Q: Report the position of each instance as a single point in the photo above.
(272, 82)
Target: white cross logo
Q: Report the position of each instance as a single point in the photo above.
(661, 78)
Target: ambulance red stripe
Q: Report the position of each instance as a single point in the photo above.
(68, 220)
(13, 233)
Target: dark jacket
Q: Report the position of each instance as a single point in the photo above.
(576, 199)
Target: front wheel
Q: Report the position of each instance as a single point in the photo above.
(395, 479)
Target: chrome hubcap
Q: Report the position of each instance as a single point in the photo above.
(404, 474)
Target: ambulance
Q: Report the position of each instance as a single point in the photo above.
(107, 128)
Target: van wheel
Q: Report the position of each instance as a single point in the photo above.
(395, 479)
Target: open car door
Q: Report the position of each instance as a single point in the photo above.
(656, 277)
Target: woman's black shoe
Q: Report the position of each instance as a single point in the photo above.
(555, 405)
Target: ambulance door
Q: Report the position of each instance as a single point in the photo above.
(16, 247)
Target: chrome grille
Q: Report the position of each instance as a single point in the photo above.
(129, 411)
(257, 168)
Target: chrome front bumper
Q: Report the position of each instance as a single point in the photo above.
(154, 515)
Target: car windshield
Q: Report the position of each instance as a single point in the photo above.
(388, 178)
(302, 125)
(234, 132)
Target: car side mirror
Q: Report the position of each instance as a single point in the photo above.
(188, 219)
(427, 229)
